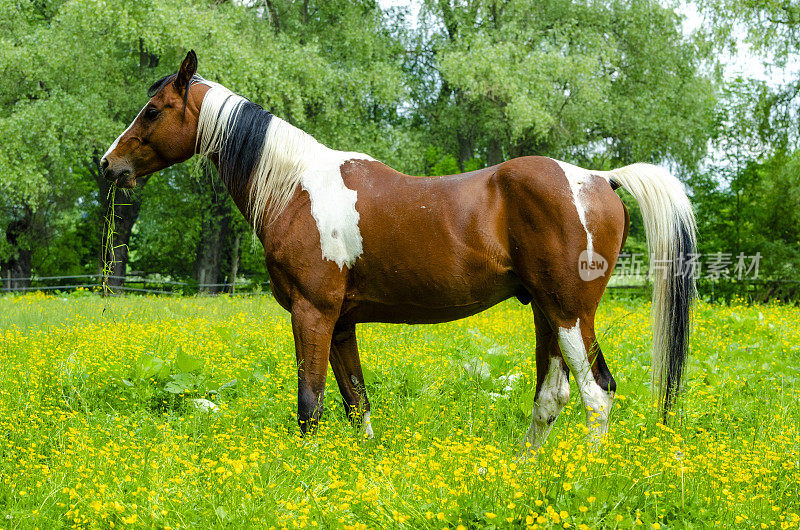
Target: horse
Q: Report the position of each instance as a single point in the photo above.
(349, 240)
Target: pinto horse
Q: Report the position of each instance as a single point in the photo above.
(349, 240)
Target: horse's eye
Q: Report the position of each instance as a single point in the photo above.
(151, 113)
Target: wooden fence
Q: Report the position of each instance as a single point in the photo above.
(131, 284)
(725, 290)
(761, 290)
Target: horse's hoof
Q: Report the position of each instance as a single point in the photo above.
(366, 427)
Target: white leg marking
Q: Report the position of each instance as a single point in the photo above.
(596, 401)
(366, 426)
(553, 396)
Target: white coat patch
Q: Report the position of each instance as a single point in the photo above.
(289, 157)
(333, 206)
(577, 178)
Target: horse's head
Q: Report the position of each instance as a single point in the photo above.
(163, 133)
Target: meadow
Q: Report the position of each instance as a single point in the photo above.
(96, 430)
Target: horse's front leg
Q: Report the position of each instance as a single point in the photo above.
(347, 369)
(312, 330)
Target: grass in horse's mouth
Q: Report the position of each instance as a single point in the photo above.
(110, 230)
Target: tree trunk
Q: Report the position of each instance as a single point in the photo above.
(272, 15)
(215, 231)
(235, 261)
(465, 134)
(466, 146)
(206, 269)
(16, 270)
(304, 13)
(495, 154)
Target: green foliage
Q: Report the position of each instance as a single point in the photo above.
(772, 28)
(758, 210)
(599, 82)
(747, 197)
(438, 162)
(63, 102)
(171, 383)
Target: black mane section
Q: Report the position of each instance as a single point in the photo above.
(244, 142)
(156, 87)
(244, 138)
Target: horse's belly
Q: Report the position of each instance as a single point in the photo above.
(412, 314)
(432, 300)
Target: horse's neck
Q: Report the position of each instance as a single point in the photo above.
(240, 195)
(242, 198)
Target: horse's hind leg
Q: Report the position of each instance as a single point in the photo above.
(347, 369)
(552, 383)
(582, 354)
(565, 345)
(565, 332)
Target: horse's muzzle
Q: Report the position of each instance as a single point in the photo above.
(121, 175)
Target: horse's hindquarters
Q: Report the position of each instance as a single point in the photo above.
(565, 234)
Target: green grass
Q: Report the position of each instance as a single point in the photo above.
(93, 435)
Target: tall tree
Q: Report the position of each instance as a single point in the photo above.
(771, 30)
(610, 81)
(746, 194)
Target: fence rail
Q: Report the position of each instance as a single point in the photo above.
(757, 290)
(129, 284)
(725, 289)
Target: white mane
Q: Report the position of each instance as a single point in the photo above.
(289, 157)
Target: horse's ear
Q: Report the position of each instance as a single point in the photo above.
(187, 71)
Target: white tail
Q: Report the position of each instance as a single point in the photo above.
(670, 227)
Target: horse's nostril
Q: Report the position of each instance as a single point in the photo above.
(104, 164)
